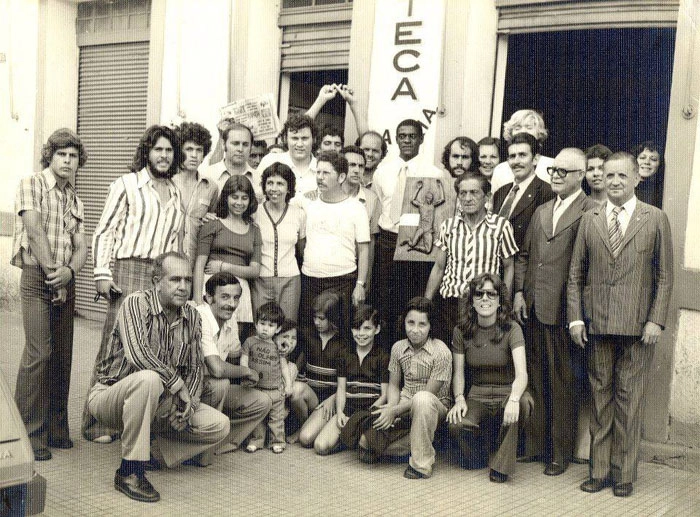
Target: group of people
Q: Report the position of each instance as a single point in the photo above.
(257, 288)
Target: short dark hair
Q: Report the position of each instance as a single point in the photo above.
(157, 269)
(365, 313)
(484, 182)
(329, 130)
(276, 146)
(270, 311)
(298, 122)
(648, 144)
(219, 279)
(385, 147)
(287, 325)
(354, 150)
(464, 141)
(525, 138)
(328, 303)
(338, 161)
(284, 172)
(148, 141)
(623, 155)
(419, 304)
(490, 140)
(194, 132)
(598, 151)
(410, 122)
(236, 125)
(60, 139)
(237, 183)
(260, 143)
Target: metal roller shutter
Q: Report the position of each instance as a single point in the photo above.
(112, 91)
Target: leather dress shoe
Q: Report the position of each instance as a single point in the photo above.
(497, 477)
(622, 489)
(368, 456)
(42, 454)
(152, 464)
(580, 461)
(135, 487)
(593, 485)
(61, 443)
(411, 473)
(555, 468)
(529, 459)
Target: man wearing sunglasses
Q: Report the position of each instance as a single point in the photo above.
(541, 272)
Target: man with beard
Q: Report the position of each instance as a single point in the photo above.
(142, 219)
(460, 155)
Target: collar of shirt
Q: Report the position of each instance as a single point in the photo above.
(183, 312)
(523, 185)
(143, 178)
(563, 204)
(50, 180)
(429, 347)
(361, 195)
(628, 206)
(205, 312)
(489, 219)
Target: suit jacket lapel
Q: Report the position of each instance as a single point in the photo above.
(637, 220)
(572, 214)
(547, 216)
(527, 198)
(601, 224)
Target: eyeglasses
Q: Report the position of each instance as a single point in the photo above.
(480, 293)
(561, 173)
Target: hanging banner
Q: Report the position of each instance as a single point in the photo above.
(406, 67)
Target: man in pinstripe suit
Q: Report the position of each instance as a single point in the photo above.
(619, 288)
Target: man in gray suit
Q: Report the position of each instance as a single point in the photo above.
(541, 271)
(619, 288)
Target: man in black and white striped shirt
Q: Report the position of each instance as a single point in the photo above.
(470, 243)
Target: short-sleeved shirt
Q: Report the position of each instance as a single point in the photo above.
(279, 239)
(219, 174)
(61, 213)
(332, 232)
(264, 358)
(364, 379)
(320, 363)
(470, 253)
(490, 363)
(222, 341)
(202, 201)
(371, 203)
(432, 361)
(217, 242)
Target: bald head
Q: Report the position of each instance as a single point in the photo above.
(570, 165)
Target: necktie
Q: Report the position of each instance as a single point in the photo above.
(615, 231)
(397, 197)
(508, 205)
(556, 215)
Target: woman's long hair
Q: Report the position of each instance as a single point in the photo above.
(237, 183)
(469, 322)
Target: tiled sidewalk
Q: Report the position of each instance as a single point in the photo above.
(80, 481)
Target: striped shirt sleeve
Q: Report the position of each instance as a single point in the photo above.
(508, 245)
(112, 219)
(133, 321)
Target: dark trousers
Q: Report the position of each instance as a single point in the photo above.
(551, 429)
(481, 433)
(43, 380)
(617, 369)
(312, 286)
(446, 316)
(397, 282)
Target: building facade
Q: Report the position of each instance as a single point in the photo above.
(617, 72)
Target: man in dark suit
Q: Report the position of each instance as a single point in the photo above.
(619, 288)
(541, 271)
(518, 200)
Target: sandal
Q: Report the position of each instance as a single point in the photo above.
(251, 448)
(278, 449)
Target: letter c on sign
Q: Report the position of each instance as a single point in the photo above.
(405, 69)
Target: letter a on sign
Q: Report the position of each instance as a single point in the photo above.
(408, 91)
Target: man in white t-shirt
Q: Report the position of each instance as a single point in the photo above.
(300, 134)
(337, 241)
(221, 349)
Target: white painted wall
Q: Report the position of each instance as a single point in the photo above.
(19, 22)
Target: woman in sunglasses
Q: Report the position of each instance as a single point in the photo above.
(488, 347)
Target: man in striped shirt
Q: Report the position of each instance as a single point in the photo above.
(149, 380)
(470, 243)
(50, 247)
(142, 219)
